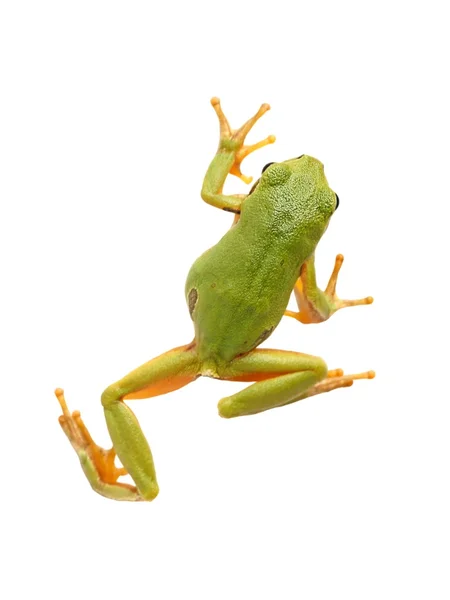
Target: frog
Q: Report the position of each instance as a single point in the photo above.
(237, 292)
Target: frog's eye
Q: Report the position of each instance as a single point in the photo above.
(266, 167)
(337, 201)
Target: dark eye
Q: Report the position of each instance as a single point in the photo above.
(300, 156)
(266, 166)
(337, 201)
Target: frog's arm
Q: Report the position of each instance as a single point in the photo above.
(315, 305)
(230, 154)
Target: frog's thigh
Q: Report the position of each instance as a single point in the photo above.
(281, 377)
(164, 373)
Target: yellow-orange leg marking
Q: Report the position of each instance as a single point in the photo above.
(161, 387)
(307, 312)
(249, 377)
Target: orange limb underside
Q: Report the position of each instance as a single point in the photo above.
(161, 387)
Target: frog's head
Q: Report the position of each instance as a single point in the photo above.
(299, 188)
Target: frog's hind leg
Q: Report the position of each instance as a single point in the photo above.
(165, 373)
(281, 378)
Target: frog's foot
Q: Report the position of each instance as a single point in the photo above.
(233, 139)
(336, 379)
(97, 463)
(330, 290)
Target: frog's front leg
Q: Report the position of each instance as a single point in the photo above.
(230, 154)
(282, 377)
(163, 374)
(315, 305)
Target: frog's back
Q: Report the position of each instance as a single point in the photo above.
(238, 290)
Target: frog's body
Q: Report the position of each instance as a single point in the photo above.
(237, 292)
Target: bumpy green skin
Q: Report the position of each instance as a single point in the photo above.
(242, 285)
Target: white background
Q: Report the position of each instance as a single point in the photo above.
(106, 133)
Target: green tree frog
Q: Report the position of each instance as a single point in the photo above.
(236, 292)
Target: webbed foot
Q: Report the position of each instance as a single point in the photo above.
(97, 463)
(233, 139)
(330, 290)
